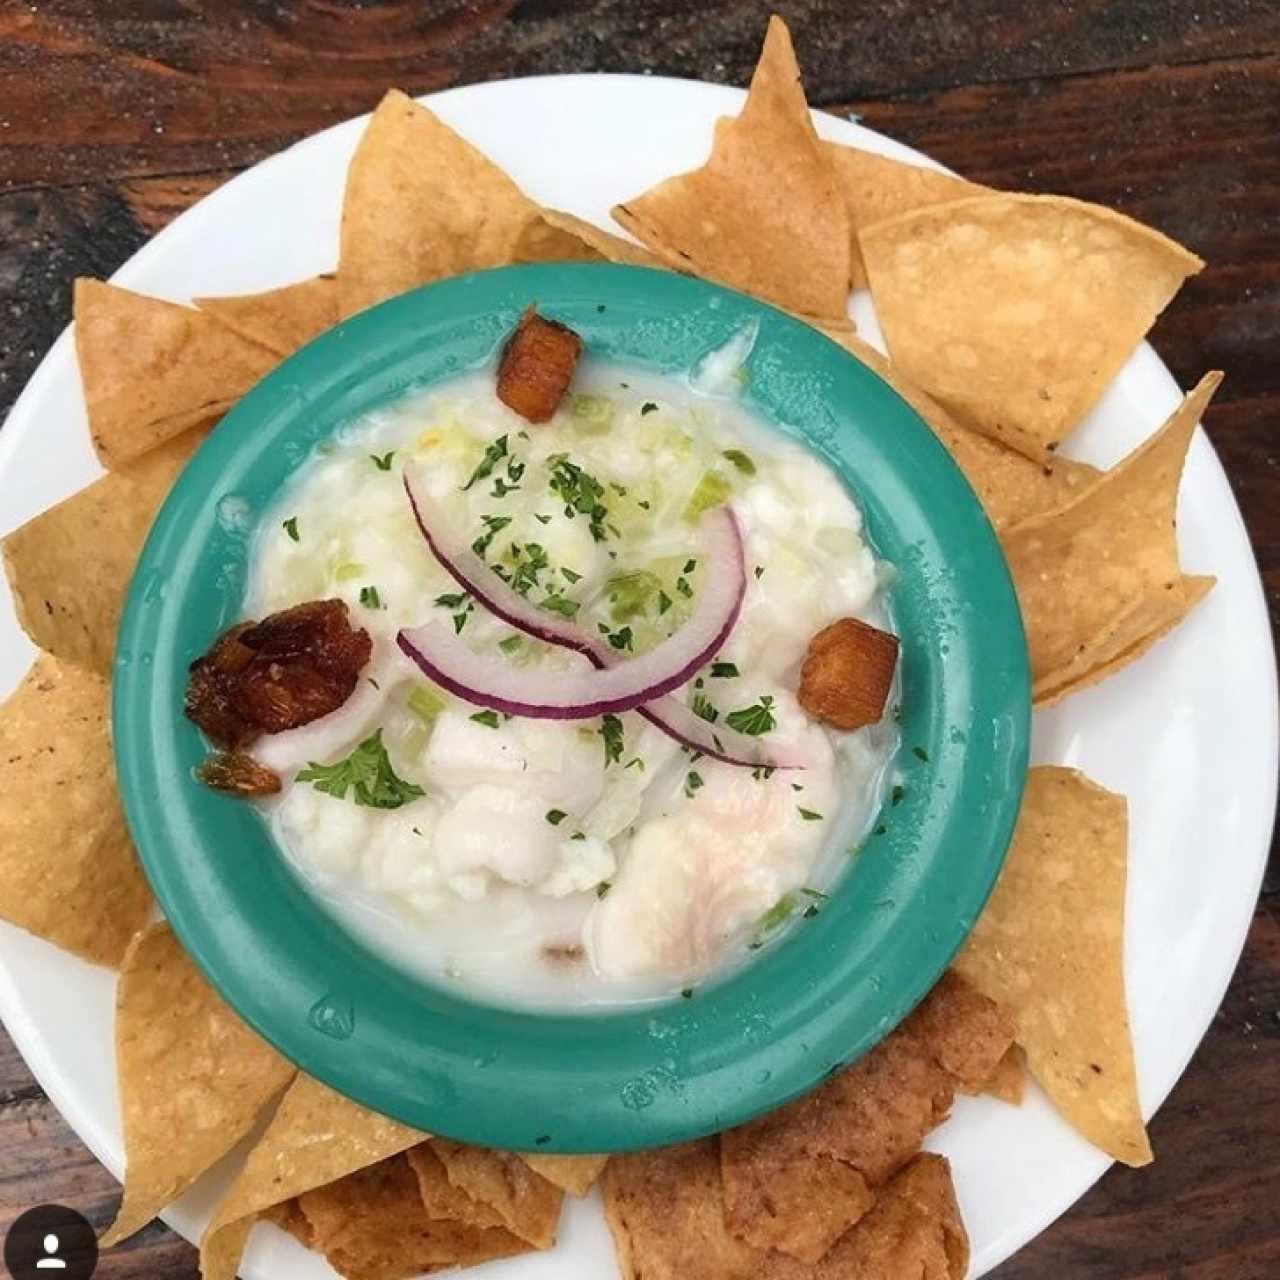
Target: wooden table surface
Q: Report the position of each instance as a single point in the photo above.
(115, 115)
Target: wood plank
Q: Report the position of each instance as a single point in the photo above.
(90, 90)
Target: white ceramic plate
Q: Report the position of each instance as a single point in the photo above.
(1189, 733)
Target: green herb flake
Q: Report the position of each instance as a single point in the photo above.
(896, 795)
(426, 702)
(493, 526)
(754, 720)
(556, 816)
(920, 754)
(683, 587)
(492, 456)
(692, 783)
(455, 600)
(642, 503)
(724, 671)
(511, 644)
(489, 718)
(816, 894)
(777, 915)
(562, 605)
(809, 815)
(291, 527)
(541, 519)
(634, 763)
(686, 994)
(664, 602)
(382, 463)
(759, 572)
(501, 488)
(690, 566)
(577, 835)
(569, 575)
(703, 707)
(810, 911)
(369, 598)
(621, 639)
(366, 773)
(647, 408)
(603, 888)
(611, 733)
(741, 460)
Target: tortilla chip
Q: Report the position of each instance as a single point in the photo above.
(574, 1174)
(422, 204)
(1008, 1081)
(966, 1033)
(289, 1217)
(70, 567)
(1098, 580)
(371, 1225)
(555, 236)
(528, 1205)
(440, 1198)
(188, 1066)
(68, 872)
(764, 214)
(1050, 949)
(152, 369)
(875, 187)
(1016, 312)
(666, 1213)
(315, 1137)
(280, 319)
(1009, 486)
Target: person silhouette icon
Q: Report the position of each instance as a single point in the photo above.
(51, 1263)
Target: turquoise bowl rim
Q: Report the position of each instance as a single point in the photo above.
(588, 1081)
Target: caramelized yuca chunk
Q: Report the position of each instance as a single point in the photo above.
(238, 775)
(280, 673)
(847, 673)
(537, 366)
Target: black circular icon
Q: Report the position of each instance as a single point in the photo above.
(51, 1242)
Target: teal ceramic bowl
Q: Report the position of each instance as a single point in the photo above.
(594, 1081)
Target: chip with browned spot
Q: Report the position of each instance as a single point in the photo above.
(574, 1174)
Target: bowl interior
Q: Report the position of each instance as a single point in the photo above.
(594, 1081)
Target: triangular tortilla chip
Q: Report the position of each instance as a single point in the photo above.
(764, 214)
(1050, 948)
(1010, 487)
(153, 369)
(68, 872)
(1098, 580)
(1008, 1081)
(69, 568)
(795, 1180)
(422, 204)
(280, 319)
(1016, 312)
(188, 1068)
(528, 1205)
(574, 1174)
(875, 188)
(555, 236)
(315, 1137)
(371, 1225)
(440, 1198)
(666, 1212)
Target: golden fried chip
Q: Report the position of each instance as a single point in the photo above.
(315, 1137)
(280, 319)
(574, 1174)
(1050, 948)
(421, 204)
(189, 1068)
(69, 568)
(528, 1205)
(152, 369)
(1008, 1081)
(68, 872)
(555, 236)
(666, 1213)
(289, 1217)
(371, 1225)
(875, 187)
(440, 1198)
(764, 214)
(1010, 487)
(1099, 580)
(797, 1179)
(1015, 311)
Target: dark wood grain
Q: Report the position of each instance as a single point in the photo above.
(114, 117)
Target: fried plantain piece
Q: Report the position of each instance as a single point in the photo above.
(238, 774)
(537, 366)
(847, 673)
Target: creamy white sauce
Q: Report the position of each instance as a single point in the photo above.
(651, 881)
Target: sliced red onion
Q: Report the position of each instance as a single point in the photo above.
(488, 681)
(477, 578)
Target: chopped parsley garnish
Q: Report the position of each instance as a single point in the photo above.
(619, 489)
(815, 893)
(530, 560)
(684, 588)
(493, 525)
(879, 831)
(602, 888)
(690, 566)
(291, 527)
(762, 772)
(492, 456)
(755, 719)
(369, 598)
(648, 407)
(810, 911)
(636, 763)
(621, 639)
(382, 463)
(687, 993)
(569, 574)
(580, 491)
(692, 783)
(664, 602)
(562, 605)
(611, 732)
(898, 792)
(541, 519)
(489, 718)
(795, 786)
(556, 816)
(577, 835)
(642, 503)
(510, 644)
(723, 670)
(777, 915)
(741, 460)
(704, 707)
(501, 488)
(920, 754)
(367, 773)
(452, 601)
(460, 618)
(759, 572)
(809, 815)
